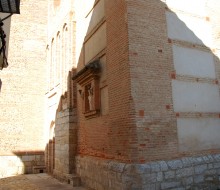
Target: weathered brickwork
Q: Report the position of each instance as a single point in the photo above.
(108, 135)
(150, 66)
(143, 124)
(153, 74)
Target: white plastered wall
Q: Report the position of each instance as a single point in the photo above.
(187, 24)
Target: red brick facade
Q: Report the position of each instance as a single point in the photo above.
(141, 123)
(107, 136)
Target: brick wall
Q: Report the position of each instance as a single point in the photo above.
(23, 82)
(137, 124)
(142, 126)
(22, 163)
(150, 58)
(108, 135)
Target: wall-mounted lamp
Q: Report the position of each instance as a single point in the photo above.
(3, 58)
(10, 6)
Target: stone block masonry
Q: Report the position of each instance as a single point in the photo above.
(186, 174)
(65, 148)
(20, 164)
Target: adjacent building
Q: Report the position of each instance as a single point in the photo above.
(22, 101)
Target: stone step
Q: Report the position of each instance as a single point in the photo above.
(72, 179)
(38, 169)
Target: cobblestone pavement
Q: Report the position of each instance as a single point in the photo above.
(34, 182)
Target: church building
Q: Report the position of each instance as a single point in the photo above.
(113, 94)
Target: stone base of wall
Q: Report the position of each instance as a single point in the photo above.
(72, 179)
(22, 164)
(191, 173)
(65, 141)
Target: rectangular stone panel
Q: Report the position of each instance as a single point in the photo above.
(96, 43)
(190, 29)
(95, 15)
(195, 97)
(193, 62)
(198, 133)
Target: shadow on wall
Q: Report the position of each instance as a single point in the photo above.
(61, 148)
(176, 43)
(99, 134)
(195, 83)
(181, 55)
(61, 151)
(22, 162)
(50, 149)
(194, 71)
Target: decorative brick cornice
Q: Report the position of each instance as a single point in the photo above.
(91, 69)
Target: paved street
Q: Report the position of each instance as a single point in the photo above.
(34, 182)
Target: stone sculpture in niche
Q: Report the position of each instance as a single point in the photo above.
(88, 79)
(90, 98)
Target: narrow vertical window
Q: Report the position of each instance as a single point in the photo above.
(58, 62)
(65, 55)
(52, 63)
(48, 67)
